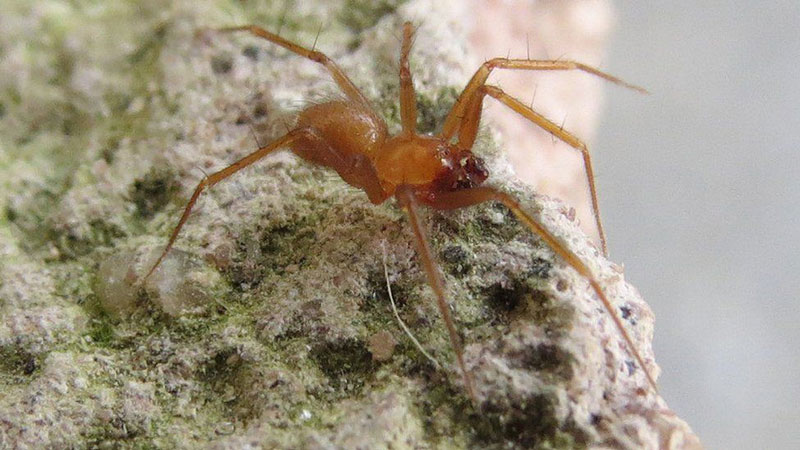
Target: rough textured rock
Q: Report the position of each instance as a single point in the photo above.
(267, 326)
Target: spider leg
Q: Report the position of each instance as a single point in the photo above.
(408, 99)
(451, 123)
(344, 83)
(468, 129)
(474, 196)
(407, 199)
(220, 175)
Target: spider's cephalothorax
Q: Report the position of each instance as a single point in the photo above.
(428, 165)
(439, 171)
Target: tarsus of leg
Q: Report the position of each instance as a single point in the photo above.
(216, 177)
(474, 196)
(563, 135)
(397, 314)
(451, 123)
(338, 75)
(406, 198)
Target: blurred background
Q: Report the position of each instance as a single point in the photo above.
(699, 184)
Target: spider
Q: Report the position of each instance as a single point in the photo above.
(439, 171)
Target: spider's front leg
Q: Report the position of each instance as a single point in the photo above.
(465, 116)
(468, 130)
(407, 199)
(482, 194)
(469, 93)
(408, 98)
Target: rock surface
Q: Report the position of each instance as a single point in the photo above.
(269, 326)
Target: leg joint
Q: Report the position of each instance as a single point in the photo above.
(318, 57)
(495, 62)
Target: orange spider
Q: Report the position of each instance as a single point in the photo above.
(438, 171)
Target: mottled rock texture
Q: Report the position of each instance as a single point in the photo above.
(269, 325)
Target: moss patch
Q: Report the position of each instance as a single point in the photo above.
(18, 365)
(457, 259)
(153, 191)
(31, 216)
(548, 359)
(347, 364)
(266, 250)
(529, 423)
(378, 295)
(431, 111)
(72, 245)
(359, 15)
(503, 301)
(520, 298)
(103, 333)
(553, 317)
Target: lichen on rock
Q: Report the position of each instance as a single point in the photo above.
(269, 324)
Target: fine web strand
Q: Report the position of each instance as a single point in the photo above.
(397, 315)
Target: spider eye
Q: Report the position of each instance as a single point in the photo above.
(476, 170)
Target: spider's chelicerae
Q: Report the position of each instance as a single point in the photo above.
(438, 171)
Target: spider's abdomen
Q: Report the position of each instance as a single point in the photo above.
(345, 131)
(344, 137)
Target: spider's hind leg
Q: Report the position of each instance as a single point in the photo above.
(216, 177)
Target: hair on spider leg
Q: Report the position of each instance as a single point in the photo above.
(205, 174)
(439, 171)
(553, 137)
(533, 97)
(399, 36)
(414, 36)
(255, 136)
(282, 19)
(527, 46)
(316, 38)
